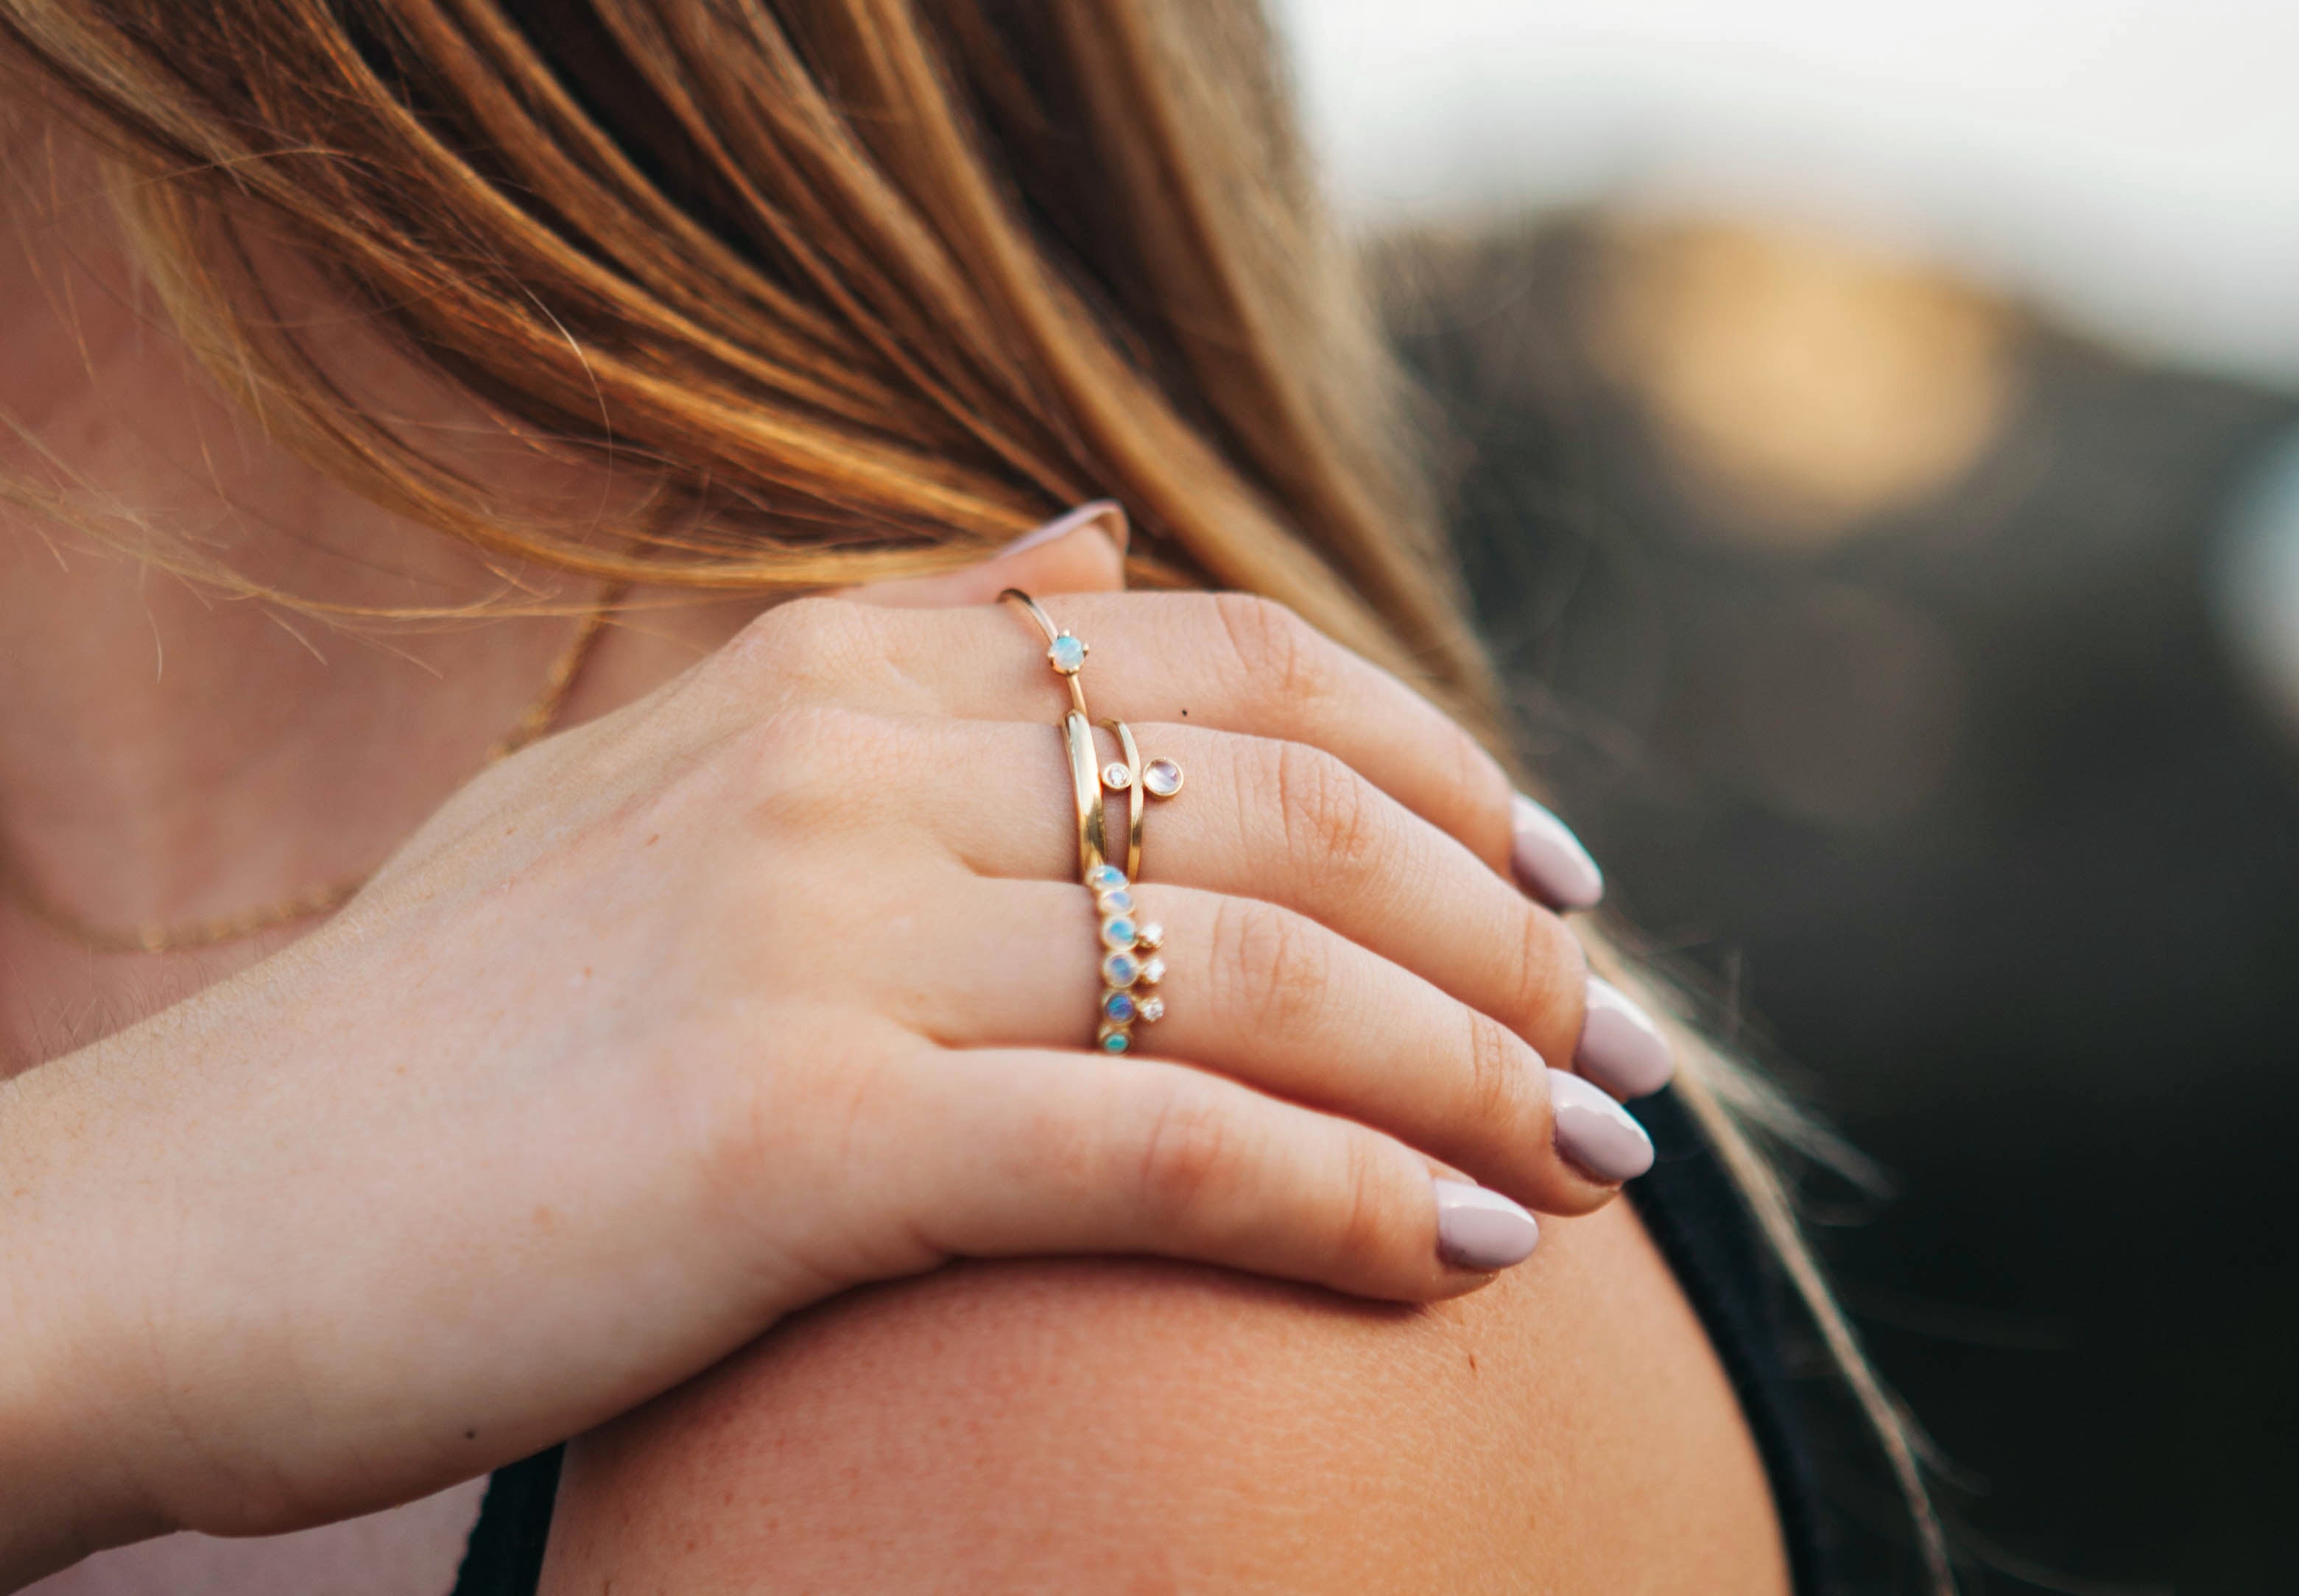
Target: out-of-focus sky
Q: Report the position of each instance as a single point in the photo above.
(2132, 165)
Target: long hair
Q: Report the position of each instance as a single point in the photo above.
(849, 288)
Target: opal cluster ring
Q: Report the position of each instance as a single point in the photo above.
(1127, 945)
(1131, 967)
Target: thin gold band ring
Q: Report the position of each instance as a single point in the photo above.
(1085, 782)
(1064, 651)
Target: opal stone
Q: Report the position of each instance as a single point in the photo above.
(1119, 902)
(1067, 653)
(1116, 1041)
(1117, 932)
(1105, 878)
(1120, 969)
(1119, 1006)
(1162, 777)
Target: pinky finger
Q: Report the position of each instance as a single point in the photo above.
(1046, 1152)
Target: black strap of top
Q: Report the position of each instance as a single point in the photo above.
(1695, 1215)
(504, 1555)
(1698, 1218)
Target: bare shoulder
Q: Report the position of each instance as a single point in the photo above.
(1124, 1424)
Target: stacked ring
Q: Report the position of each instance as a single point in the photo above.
(1159, 779)
(1130, 961)
(1065, 652)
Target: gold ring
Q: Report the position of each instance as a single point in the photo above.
(1159, 779)
(1064, 651)
(1128, 946)
(1085, 783)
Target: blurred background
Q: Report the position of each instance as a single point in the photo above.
(1874, 437)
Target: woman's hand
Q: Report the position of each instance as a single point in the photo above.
(773, 983)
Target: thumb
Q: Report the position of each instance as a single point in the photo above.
(1082, 552)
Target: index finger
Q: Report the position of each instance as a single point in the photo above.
(1236, 662)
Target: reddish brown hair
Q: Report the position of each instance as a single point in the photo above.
(851, 288)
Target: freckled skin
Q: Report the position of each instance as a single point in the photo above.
(1041, 1427)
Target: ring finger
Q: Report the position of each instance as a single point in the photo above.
(1270, 997)
(1292, 824)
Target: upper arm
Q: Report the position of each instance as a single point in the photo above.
(1130, 1425)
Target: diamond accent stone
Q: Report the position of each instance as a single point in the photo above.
(1151, 974)
(1162, 777)
(1117, 777)
(1151, 1010)
(1105, 878)
(1067, 654)
(1121, 970)
(1117, 932)
(1149, 934)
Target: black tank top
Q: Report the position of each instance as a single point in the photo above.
(1697, 1219)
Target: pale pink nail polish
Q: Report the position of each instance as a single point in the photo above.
(1061, 526)
(1621, 1049)
(1596, 1134)
(1478, 1229)
(1549, 862)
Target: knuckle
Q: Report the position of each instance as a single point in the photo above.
(1330, 815)
(806, 640)
(1277, 963)
(810, 762)
(1186, 1150)
(1362, 1238)
(1479, 779)
(1551, 971)
(1498, 1088)
(746, 1123)
(1279, 653)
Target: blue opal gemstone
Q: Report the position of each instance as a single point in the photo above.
(1067, 653)
(1120, 969)
(1117, 932)
(1116, 1041)
(1119, 902)
(1105, 878)
(1119, 1006)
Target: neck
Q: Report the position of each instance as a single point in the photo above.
(170, 753)
(161, 738)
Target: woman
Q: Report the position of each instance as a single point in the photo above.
(771, 974)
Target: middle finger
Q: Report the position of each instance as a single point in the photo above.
(1289, 824)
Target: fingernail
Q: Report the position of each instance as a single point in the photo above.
(1478, 1229)
(1063, 525)
(1621, 1048)
(1599, 1137)
(1549, 861)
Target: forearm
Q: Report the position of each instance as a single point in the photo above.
(65, 1490)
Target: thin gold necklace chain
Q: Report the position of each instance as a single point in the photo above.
(540, 716)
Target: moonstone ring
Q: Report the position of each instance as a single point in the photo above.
(1159, 779)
